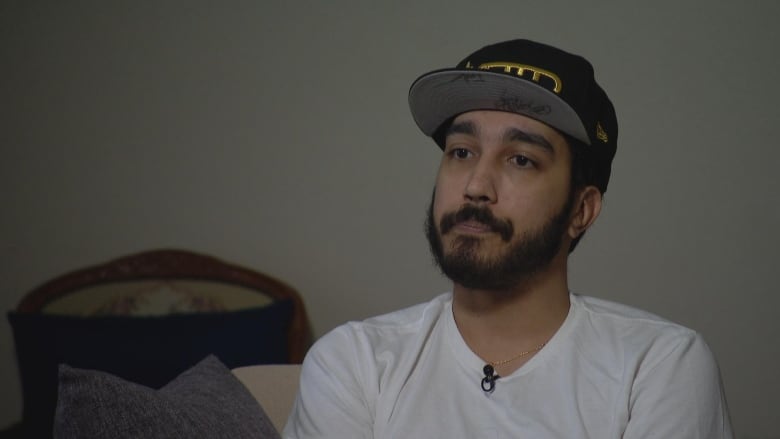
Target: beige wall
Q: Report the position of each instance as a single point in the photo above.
(277, 136)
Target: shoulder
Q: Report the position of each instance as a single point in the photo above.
(625, 320)
(363, 340)
(640, 338)
(672, 380)
(388, 327)
(343, 372)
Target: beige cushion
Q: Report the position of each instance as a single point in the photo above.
(156, 297)
(274, 386)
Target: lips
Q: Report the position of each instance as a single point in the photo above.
(473, 227)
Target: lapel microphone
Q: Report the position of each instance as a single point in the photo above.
(489, 381)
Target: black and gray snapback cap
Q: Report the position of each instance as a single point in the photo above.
(528, 78)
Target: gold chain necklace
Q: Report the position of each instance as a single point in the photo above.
(489, 381)
(520, 355)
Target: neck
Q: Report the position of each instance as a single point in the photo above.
(498, 325)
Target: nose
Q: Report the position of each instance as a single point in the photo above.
(480, 187)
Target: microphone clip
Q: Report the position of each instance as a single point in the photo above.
(489, 381)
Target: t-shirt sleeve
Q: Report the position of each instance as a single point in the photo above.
(677, 393)
(331, 401)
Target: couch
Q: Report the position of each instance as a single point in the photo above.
(146, 318)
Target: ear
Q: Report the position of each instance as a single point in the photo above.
(585, 211)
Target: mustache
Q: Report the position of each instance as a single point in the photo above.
(481, 215)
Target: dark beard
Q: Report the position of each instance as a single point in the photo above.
(529, 255)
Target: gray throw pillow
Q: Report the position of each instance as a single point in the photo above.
(206, 401)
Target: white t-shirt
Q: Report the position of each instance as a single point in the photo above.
(610, 371)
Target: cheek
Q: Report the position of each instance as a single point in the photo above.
(532, 205)
(439, 203)
(444, 189)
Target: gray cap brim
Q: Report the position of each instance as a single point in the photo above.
(440, 95)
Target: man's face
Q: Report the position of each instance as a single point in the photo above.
(502, 201)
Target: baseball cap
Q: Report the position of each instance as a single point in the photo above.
(528, 78)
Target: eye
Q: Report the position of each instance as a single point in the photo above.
(521, 161)
(460, 153)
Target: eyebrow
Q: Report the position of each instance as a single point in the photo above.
(510, 135)
(461, 128)
(518, 135)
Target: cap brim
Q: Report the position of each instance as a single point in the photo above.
(442, 94)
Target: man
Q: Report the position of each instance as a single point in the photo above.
(528, 138)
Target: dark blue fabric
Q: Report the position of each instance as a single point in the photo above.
(150, 351)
